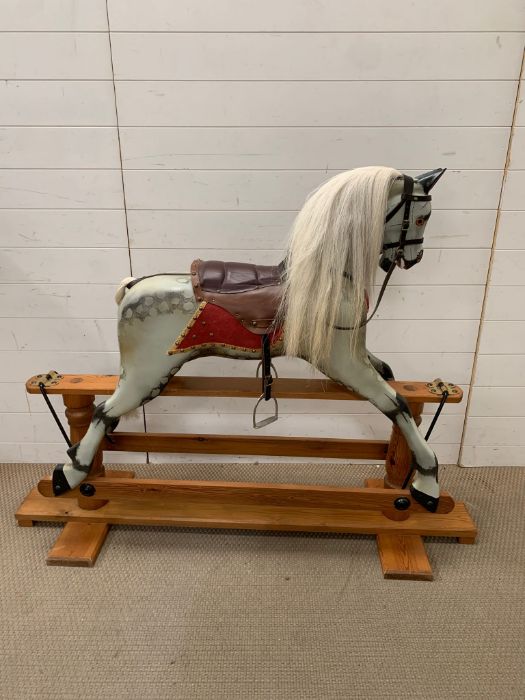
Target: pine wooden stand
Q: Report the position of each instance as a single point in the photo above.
(116, 497)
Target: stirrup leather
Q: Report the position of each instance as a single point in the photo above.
(267, 380)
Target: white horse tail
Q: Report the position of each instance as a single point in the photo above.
(121, 291)
(337, 235)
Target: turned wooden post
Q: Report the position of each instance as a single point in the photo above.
(79, 412)
(398, 458)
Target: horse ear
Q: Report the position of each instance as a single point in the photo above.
(428, 180)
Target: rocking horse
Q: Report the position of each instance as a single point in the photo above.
(313, 305)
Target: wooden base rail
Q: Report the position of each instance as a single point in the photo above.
(109, 497)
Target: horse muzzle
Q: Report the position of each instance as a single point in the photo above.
(410, 263)
(385, 262)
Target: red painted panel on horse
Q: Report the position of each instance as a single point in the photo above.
(214, 325)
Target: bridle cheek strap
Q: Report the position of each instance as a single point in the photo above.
(407, 197)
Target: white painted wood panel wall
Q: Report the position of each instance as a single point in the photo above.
(137, 136)
(495, 428)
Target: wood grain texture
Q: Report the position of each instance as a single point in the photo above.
(404, 557)
(78, 544)
(79, 384)
(248, 445)
(247, 493)
(458, 523)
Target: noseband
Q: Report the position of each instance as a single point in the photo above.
(407, 197)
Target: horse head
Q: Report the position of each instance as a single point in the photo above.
(409, 209)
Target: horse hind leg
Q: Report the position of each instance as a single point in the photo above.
(133, 390)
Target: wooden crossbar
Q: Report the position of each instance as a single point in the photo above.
(238, 387)
(186, 443)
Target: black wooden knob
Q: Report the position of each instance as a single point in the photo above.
(87, 489)
(402, 503)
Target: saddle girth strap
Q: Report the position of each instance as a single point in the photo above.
(266, 369)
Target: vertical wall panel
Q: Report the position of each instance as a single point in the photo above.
(495, 425)
(62, 220)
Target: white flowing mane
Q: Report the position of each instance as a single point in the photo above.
(339, 230)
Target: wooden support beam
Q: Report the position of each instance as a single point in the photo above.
(402, 555)
(246, 516)
(239, 387)
(78, 544)
(250, 493)
(248, 445)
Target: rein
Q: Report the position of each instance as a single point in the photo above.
(407, 197)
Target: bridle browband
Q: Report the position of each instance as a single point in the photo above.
(407, 197)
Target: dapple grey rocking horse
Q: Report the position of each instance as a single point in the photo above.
(313, 305)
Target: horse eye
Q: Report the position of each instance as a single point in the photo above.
(420, 221)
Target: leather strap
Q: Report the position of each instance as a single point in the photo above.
(407, 197)
(267, 379)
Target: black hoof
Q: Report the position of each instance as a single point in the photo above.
(60, 483)
(428, 502)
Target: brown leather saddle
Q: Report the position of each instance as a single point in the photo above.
(251, 293)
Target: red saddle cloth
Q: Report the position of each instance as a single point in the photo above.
(214, 327)
(238, 305)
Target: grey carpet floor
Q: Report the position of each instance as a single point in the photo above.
(184, 613)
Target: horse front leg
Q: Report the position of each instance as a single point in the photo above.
(381, 366)
(359, 374)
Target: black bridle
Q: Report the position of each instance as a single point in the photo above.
(407, 198)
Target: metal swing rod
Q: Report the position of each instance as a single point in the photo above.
(43, 391)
